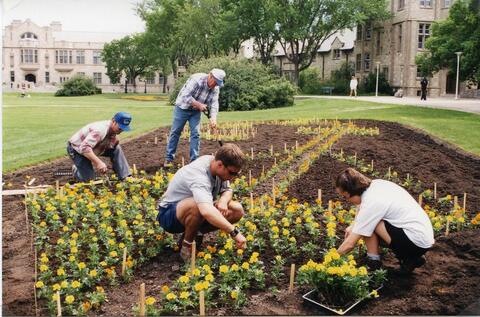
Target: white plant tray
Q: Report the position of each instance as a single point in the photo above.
(336, 311)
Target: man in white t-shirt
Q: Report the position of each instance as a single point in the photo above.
(353, 86)
(198, 199)
(386, 212)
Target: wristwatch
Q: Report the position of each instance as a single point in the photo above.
(234, 233)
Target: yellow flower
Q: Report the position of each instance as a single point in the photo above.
(196, 272)
(54, 297)
(100, 289)
(56, 287)
(43, 224)
(184, 295)
(60, 272)
(150, 301)
(245, 266)
(209, 277)
(92, 273)
(43, 268)
(64, 284)
(69, 299)
(239, 251)
(113, 254)
(74, 250)
(44, 259)
(86, 306)
(223, 269)
(171, 296)
(81, 265)
(234, 267)
(184, 279)
(165, 288)
(221, 252)
(234, 294)
(198, 286)
(39, 284)
(374, 294)
(207, 256)
(76, 284)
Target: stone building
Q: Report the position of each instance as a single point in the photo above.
(392, 46)
(334, 51)
(39, 58)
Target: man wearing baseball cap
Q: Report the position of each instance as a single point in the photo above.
(99, 138)
(199, 94)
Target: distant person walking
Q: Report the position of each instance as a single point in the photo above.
(353, 86)
(200, 93)
(424, 84)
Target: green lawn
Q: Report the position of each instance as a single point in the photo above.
(36, 129)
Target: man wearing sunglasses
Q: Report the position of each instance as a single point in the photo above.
(198, 199)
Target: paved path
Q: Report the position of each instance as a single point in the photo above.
(467, 105)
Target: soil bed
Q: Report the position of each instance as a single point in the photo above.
(446, 285)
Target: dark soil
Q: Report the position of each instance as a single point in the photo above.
(448, 284)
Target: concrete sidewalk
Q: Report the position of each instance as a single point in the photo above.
(466, 105)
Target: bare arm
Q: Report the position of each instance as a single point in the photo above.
(222, 203)
(349, 242)
(98, 164)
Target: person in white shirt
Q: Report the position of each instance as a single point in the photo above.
(353, 86)
(386, 212)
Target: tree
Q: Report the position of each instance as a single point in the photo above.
(459, 32)
(303, 25)
(128, 56)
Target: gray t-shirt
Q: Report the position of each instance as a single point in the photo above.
(195, 180)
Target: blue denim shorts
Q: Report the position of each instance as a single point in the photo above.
(167, 217)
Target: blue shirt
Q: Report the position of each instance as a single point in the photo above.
(196, 88)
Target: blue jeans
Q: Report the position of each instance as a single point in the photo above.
(180, 117)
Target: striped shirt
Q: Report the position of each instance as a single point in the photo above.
(196, 88)
(94, 137)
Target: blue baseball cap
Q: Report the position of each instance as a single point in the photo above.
(123, 120)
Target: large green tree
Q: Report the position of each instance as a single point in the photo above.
(129, 56)
(460, 32)
(303, 25)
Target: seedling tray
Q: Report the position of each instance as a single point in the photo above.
(338, 311)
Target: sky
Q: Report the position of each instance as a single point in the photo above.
(76, 15)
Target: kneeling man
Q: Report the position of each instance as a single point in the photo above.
(386, 212)
(198, 199)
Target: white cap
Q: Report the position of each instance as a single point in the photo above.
(219, 75)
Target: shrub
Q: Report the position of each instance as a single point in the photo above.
(248, 84)
(309, 81)
(341, 79)
(368, 84)
(78, 86)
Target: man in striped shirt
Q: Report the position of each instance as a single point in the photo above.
(99, 138)
(200, 93)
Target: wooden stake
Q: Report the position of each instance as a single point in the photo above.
(465, 201)
(447, 229)
(35, 295)
(285, 147)
(124, 262)
(194, 251)
(34, 286)
(355, 159)
(134, 169)
(183, 161)
(420, 200)
(156, 141)
(320, 197)
(274, 161)
(251, 200)
(371, 167)
(271, 150)
(435, 191)
(142, 299)
(292, 277)
(250, 178)
(251, 152)
(389, 172)
(408, 177)
(27, 223)
(455, 201)
(273, 191)
(59, 305)
(263, 170)
(202, 303)
(330, 205)
(296, 145)
(341, 153)
(30, 183)
(57, 186)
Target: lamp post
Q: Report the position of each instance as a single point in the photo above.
(376, 84)
(458, 73)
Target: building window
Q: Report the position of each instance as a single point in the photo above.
(64, 79)
(97, 59)
(423, 34)
(385, 72)
(359, 62)
(63, 57)
(426, 3)
(12, 76)
(336, 53)
(447, 3)
(367, 62)
(80, 57)
(359, 32)
(419, 73)
(28, 35)
(368, 31)
(161, 78)
(80, 73)
(400, 37)
(12, 61)
(378, 43)
(29, 56)
(47, 77)
(401, 4)
(97, 78)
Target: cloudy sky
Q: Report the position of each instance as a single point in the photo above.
(76, 15)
